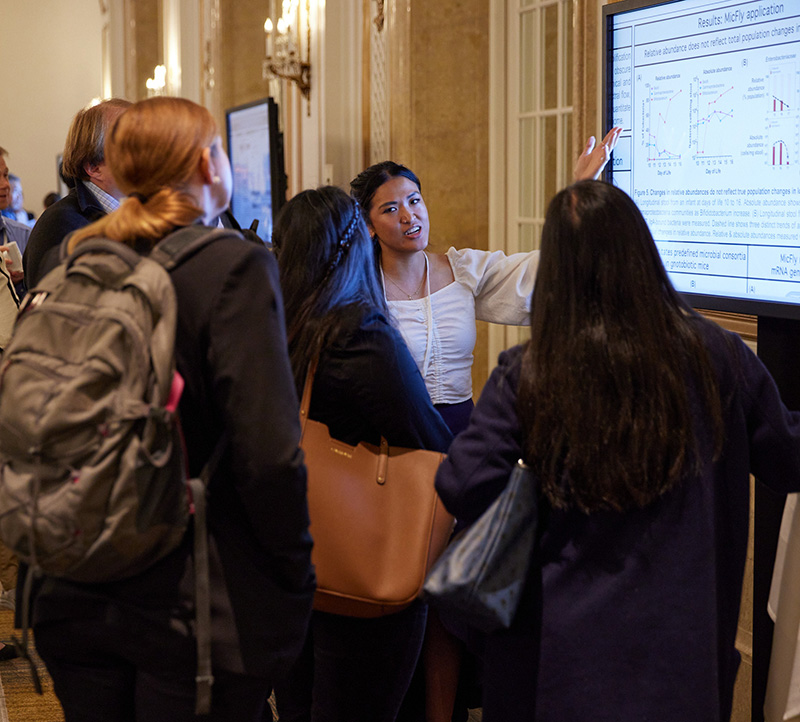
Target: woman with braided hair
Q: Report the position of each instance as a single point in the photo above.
(366, 386)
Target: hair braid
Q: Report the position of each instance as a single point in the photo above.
(345, 240)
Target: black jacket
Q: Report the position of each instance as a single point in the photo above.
(367, 386)
(231, 352)
(77, 209)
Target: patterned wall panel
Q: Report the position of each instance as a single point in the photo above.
(379, 93)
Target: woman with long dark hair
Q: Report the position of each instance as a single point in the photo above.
(642, 422)
(366, 386)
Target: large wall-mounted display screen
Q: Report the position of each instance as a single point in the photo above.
(708, 95)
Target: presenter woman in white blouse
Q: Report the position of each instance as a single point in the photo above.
(434, 298)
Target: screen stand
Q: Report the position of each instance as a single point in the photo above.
(779, 350)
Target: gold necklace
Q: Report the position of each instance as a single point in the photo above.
(400, 288)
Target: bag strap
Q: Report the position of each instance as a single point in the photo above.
(22, 645)
(103, 245)
(197, 488)
(63, 248)
(202, 592)
(94, 245)
(305, 405)
(170, 253)
(305, 399)
(175, 248)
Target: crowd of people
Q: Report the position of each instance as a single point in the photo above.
(640, 419)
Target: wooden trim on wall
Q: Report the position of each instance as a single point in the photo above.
(366, 75)
(585, 54)
(581, 47)
(745, 326)
(130, 50)
(400, 91)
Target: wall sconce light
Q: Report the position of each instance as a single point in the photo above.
(156, 84)
(284, 47)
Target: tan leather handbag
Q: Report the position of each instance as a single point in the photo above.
(377, 522)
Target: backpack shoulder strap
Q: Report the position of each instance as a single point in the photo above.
(63, 248)
(98, 243)
(183, 243)
(170, 252)
(105, 245)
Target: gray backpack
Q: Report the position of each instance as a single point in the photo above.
(92, 477)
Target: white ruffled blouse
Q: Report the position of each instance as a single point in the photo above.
(439, 329)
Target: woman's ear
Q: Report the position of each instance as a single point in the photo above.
(206, 167)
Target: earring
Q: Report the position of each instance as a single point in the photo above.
(216, 179)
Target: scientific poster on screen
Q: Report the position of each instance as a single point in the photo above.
(708, 94)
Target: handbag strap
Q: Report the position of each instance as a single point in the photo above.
(305, 399)
(305, 405)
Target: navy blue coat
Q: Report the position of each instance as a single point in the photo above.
(75, 210)
(630, 616)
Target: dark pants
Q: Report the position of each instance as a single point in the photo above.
(131, 671)
(510, 674)
(353, 670)
(456, 416)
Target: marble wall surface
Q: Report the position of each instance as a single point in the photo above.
(241, 52)
(439, 101)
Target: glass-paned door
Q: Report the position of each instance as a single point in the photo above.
(538, 154)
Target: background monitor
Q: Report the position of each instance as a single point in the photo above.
(708, 95)
(255, 148)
